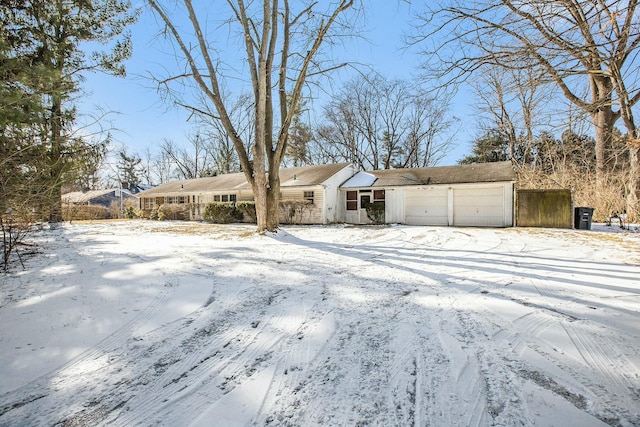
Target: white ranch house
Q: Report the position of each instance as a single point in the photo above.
(467, 195)
(317, 184)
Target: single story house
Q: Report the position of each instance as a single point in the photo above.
(477, 195)
(97, 197)
(319, 185)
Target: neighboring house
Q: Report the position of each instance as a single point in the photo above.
(317, 184)
(479, 194)
(97, 197)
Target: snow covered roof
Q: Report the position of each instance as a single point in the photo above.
(361, 179)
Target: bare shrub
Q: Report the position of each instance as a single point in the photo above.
(84, 212)
(174, 212)
(15, 225)
(293, 211)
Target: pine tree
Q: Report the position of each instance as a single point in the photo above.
(129, 171)
(48, 35)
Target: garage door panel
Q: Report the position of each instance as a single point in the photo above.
(480, 206)
(426, 207)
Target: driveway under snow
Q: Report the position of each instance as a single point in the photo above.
(183, 324)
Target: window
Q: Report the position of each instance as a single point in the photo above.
(308, 195)
(177, 200)
(365, 199)
(148, 203)
(378, 195)
(225, 198)
(352, 200)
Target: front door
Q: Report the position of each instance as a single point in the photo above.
(365, 199)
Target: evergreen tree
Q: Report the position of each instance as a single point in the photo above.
(490, 147)
(48, 36)
(300, 134)
(129, 171)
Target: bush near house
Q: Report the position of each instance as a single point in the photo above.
(173, 212)
(248, 210)
(222, 213)
(375, 212)
(293, 211)
(85, 212)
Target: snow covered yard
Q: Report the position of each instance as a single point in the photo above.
(184, 324)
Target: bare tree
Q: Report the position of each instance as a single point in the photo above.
(188, 162)
(377, 123)
(219, 143)
(281, 43)
(517, 104)
(578, 43)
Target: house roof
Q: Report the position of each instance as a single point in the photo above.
(304, 176)
(476, 172)
(359, 180)
(79, 197)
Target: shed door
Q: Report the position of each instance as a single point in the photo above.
(479, 207)
(426, 207)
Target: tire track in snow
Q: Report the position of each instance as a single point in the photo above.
(97, 358)
(619, 379)
(219, 354)
(537, 332)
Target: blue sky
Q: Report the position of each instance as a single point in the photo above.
(140, 119)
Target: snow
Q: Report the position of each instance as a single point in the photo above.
(360, 179)
(152, 323)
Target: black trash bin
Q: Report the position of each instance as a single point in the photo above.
(582, 218)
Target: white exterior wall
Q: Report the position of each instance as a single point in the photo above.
(314, 213)
(394, 205)
(334, 201)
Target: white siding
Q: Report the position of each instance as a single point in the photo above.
(334, 200)
(394, 205)
(313, 214)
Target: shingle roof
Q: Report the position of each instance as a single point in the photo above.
(289, 177)
(309, 175)
(476, 172)
(79, 197)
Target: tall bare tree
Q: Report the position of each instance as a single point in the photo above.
(580, 44)
(508, 103)
(379, 123)
(280, 44)
(192, 161)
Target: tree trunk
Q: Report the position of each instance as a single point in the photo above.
(260, 198)
(56, 162)
(633, 197)
(273, 208)
(603, 120)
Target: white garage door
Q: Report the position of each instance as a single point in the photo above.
(482, 207)
(425, 207)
